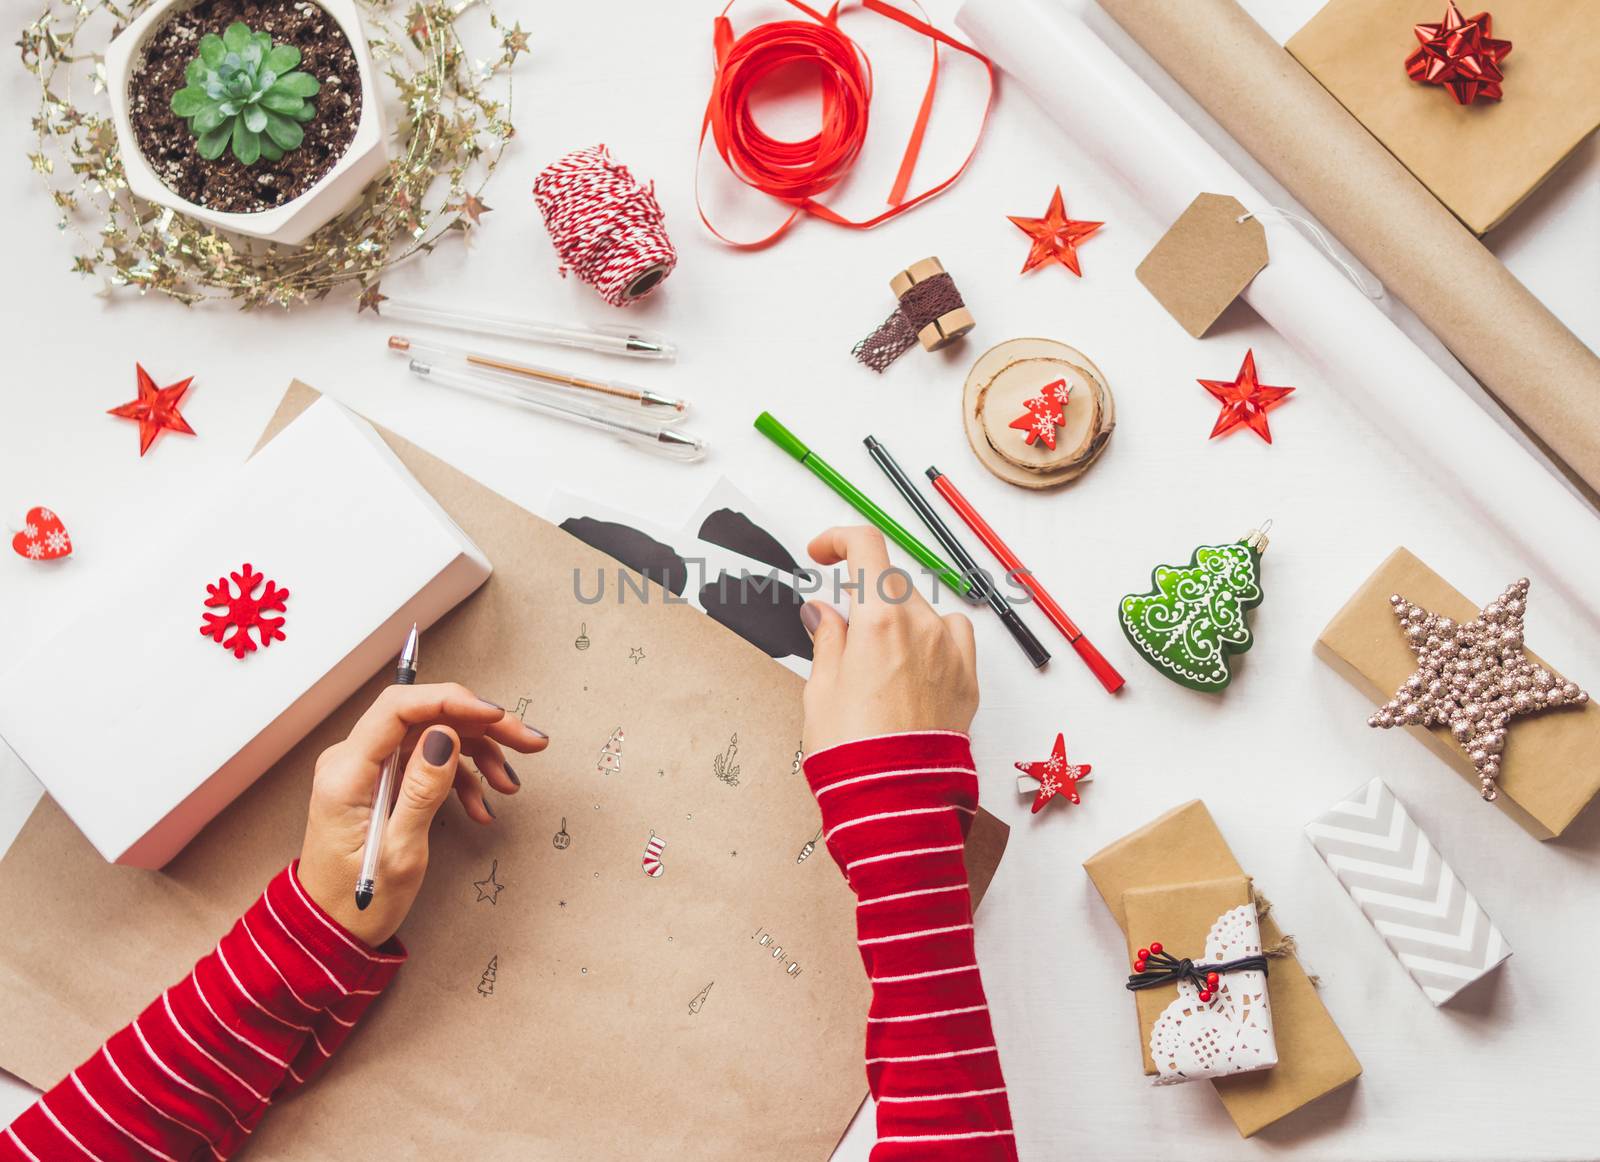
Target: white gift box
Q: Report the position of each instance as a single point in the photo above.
(180, 726)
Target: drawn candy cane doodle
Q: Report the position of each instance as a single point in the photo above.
(652, 856)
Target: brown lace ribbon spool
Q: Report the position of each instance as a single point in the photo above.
(930, 312)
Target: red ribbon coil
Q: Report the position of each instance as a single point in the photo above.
(797, 172)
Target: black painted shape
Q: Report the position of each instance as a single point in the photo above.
(643, 554)
(762, 610)
(733, 530)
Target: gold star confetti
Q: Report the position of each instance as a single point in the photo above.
(472, 208)
(432, 188)
(516, 41)
(370, 298)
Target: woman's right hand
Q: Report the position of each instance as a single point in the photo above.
(897, 666)
(436, 725)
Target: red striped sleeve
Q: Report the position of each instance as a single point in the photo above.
(895, 813)
(195, 1072)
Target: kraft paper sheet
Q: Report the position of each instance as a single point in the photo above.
(594, 1037)
(1538, 369)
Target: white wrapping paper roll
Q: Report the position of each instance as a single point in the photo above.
(1109, 111)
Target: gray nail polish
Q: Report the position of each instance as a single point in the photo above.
(496, 705)
(537, 731)
(437, 747)
(512, 775)
(488, 808)
(810, 617)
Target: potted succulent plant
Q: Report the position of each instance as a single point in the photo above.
(256, 116)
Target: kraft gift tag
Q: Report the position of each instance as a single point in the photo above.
(1204, 261)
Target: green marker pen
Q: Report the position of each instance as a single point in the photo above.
(769, 426)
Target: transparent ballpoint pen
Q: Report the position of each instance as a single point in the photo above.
(366, 884)
(610, 340)
(651, 435)
(639, 400)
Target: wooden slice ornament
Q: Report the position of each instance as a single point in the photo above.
(998, 390)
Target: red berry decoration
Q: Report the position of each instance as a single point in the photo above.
(1211, 980)
(1155, 947)
(1205, 994)
(244, 612)
(1138, 966)
(1144, 953)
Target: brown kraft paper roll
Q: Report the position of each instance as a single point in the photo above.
(1538, 369)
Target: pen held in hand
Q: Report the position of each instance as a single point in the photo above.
(366, 882)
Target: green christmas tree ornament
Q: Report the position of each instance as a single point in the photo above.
(1193, 616)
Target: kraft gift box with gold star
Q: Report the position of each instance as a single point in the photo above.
(1538, 756)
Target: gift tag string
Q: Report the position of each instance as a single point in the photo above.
(1368, 286)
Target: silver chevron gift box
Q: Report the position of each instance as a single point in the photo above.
(1430, 922)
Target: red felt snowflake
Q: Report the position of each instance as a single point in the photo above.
(244, 612)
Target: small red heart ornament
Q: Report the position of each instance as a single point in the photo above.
(43, 537)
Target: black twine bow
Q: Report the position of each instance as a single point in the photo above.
(1170, 969)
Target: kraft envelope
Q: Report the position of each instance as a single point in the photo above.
(714, 1012)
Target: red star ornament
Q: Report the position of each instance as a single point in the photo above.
(1056, 776)
(1245, 400)
(1055, 236)
(155, 409)
(1459, 54)
(1045, 412)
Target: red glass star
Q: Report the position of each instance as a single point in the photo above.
(1045, 411)
(1055, 236)
(1245, 400)
(155, 409)
(1459, 54)
(1056, 776)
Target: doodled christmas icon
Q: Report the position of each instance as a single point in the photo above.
(581, 642)
(765, 939)
(561, 840)
(811, 846)
(244, 612)
(651, 862)
(610, 759)
(43, 537)
(486, 981)
(636, 654)
(700, 999)
(490, 887)
(723, 766)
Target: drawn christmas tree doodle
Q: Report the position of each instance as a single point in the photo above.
(486, 981)
(1193, 617)
(726, 769)
(700, 999)
(610, 759)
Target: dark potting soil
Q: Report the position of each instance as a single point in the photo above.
(224, 184)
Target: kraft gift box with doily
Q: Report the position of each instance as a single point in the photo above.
(1219, 992)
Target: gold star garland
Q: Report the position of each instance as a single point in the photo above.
(451, 135)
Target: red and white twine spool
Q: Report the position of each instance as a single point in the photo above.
(606, 227)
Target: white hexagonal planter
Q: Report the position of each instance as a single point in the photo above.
(295, 221)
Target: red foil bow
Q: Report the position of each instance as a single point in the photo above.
(1459, 54)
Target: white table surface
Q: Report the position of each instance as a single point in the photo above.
(1503, 1073)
